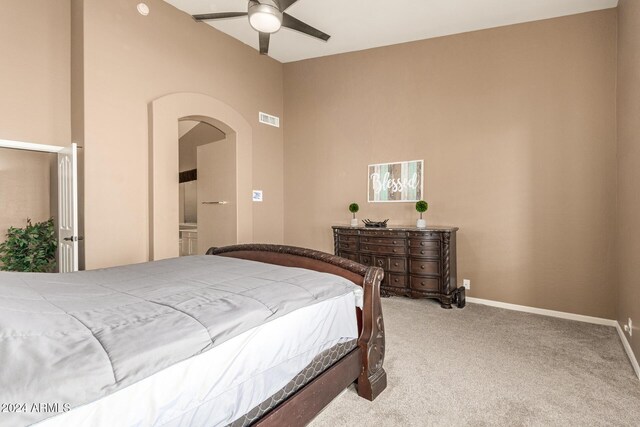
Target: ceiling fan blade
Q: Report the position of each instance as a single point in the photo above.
(223, 15)
(295, 24)
(264, 43)
(285, 4)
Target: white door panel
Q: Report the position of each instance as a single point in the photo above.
(68, 209)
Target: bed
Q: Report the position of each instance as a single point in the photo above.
(260, 335)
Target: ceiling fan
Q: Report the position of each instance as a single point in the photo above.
(267, 17)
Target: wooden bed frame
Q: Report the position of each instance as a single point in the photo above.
(363, 365)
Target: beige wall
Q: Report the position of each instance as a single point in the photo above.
(517, 129)
(628, 247)
(34, 76)
(201, 134)
(24, 188)
(34, 103)
(129, 61)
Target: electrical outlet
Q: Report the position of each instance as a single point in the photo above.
(467, 284)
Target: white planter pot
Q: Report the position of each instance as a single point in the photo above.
(354, 222)
(421, 223)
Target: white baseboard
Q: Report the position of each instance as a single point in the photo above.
(544, 312)
(627, 348)
(568, 316)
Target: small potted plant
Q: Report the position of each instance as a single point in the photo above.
(353, 208)
(421, 207)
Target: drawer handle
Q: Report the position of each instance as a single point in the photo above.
(422, 283)
(422, 266)
(394, 251)
(421, 243)
(395, 280)
(394, 242)
(422, 252)
(395, 264)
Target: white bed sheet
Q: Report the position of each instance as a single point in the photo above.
(218, 386)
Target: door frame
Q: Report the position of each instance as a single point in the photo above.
(56, 149)
(164, 114)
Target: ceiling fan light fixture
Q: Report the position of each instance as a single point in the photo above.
(265, 17)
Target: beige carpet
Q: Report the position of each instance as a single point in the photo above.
(484, 366)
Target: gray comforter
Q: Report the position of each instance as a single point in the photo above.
(69, 339)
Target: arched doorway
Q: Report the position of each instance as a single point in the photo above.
(164, 177)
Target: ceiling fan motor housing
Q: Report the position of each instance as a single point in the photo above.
(265, 16)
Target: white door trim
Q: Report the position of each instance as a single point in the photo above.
(30, 146)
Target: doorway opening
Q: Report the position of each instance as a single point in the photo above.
(39, 189)
(207, 186)
(234, 170)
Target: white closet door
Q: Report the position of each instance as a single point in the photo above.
(68, 209)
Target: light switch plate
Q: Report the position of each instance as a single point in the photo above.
(257, 195)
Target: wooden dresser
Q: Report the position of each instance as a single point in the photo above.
(417, 262)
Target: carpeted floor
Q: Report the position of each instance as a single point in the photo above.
(484, 366)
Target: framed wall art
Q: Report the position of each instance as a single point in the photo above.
(396, 182)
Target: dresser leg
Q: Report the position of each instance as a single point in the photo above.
(445, 302)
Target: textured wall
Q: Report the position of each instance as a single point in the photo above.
(517, 129)
(130, 60)
(34, 103)
(628, 247)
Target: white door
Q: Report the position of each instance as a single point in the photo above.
(68, 209)
(217, 207)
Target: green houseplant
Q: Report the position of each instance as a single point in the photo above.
(353, 208)
(421, 207)
(30, 249)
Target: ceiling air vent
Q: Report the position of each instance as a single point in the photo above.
(269, 120)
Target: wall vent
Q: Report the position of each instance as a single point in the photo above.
(268, 119)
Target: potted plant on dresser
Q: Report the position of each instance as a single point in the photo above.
(421, 207)
(354, 208)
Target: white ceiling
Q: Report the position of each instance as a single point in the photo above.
(363, 24)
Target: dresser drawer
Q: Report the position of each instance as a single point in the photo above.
(348, 232)
(383, 240)
(423, 243)
(424, 283)
(417, 266)
(430, 235)
(424, 252)
(381, 262)
(348, 238)
(349, 255)
(381, 249)
(366, 259)
(396, 280)
(398, 265)
(348, 246)
(382, 233)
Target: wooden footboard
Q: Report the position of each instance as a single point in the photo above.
(363, 365)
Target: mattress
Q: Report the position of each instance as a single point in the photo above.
(225, 385)
(318, 365)
(141, 335)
